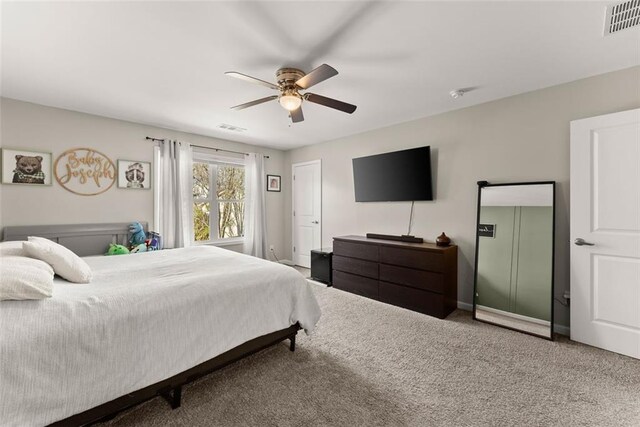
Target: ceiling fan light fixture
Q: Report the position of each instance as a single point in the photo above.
(290, 102)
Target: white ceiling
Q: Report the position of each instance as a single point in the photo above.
(163, 63)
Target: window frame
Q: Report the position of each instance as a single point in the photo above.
(214, 161)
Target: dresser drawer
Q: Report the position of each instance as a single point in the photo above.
(356, 266)
(413, 299)
(420, 279)
(355, 284)
(423, 260)
(355, 250)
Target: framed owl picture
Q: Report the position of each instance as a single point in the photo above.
(134, 175)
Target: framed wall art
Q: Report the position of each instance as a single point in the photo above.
(26, 167)
(273, 183)
(134, 175)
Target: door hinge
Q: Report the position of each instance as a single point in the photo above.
(294, 249)
(294, 213)
(294, 177)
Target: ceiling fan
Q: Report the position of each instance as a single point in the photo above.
(290, 82)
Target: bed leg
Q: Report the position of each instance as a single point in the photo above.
(292, 343)
(173, 396)
(177, 397)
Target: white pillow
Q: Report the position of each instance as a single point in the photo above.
(25, 278)
(65, 263)
(11, 248)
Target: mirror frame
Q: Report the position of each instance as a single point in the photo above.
(484, 184)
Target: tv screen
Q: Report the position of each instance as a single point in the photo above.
(398, 176)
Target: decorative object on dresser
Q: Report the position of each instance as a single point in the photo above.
(443, 240)
(321, 265)
(419, 276)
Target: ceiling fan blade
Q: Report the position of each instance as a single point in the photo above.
(316, 76)
(296, 115)
(330, 102)
(256, 102)
(252, 79)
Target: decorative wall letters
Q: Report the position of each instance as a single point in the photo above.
(84, 171)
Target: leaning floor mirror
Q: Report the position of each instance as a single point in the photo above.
(514, 256)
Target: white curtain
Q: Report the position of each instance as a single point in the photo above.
(173, 187)
(255, 219)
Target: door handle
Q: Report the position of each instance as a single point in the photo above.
(315, 222)
(580, 242)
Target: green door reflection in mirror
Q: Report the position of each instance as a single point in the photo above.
(514, 259)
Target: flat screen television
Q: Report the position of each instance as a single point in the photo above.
(398, 176)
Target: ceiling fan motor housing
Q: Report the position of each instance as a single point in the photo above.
(287, 77)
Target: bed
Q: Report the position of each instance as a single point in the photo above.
(146, 325)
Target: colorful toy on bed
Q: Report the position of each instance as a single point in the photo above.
(154, 241)
(142, 247)
(138, 235)
(117, 250)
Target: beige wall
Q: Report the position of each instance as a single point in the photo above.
(32, 126)
(520, 138)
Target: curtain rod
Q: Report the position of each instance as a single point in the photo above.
(202, 146)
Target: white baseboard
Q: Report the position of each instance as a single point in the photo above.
(287, 262)
(558, 329)
(514, 316)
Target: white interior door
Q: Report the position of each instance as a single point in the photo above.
(605, 213)
(307, 210)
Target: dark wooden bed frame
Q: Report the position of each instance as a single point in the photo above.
(171, 388)
(94, 239)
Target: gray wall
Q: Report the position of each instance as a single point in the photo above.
(36, 127)
(520, 138)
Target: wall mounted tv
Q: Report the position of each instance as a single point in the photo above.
(398, 176)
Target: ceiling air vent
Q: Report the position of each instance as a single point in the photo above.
(233, 128)
(622, 16)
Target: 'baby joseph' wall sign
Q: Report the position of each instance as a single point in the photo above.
(84, 171)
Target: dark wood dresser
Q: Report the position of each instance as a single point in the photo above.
(419, 276)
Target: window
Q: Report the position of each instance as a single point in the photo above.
(218, 200)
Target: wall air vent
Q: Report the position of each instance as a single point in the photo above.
(622, 16)
(232, 128)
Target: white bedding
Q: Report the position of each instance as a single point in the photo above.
(142, 319)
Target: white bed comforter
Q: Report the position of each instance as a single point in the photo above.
(143, 318)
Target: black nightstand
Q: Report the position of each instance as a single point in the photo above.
(321, 265)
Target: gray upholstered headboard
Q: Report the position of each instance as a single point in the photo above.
(83, 239)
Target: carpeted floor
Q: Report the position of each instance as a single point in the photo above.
(372, 364)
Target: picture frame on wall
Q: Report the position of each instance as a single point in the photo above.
(26, 167)
(273, 183)
(134, 175)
